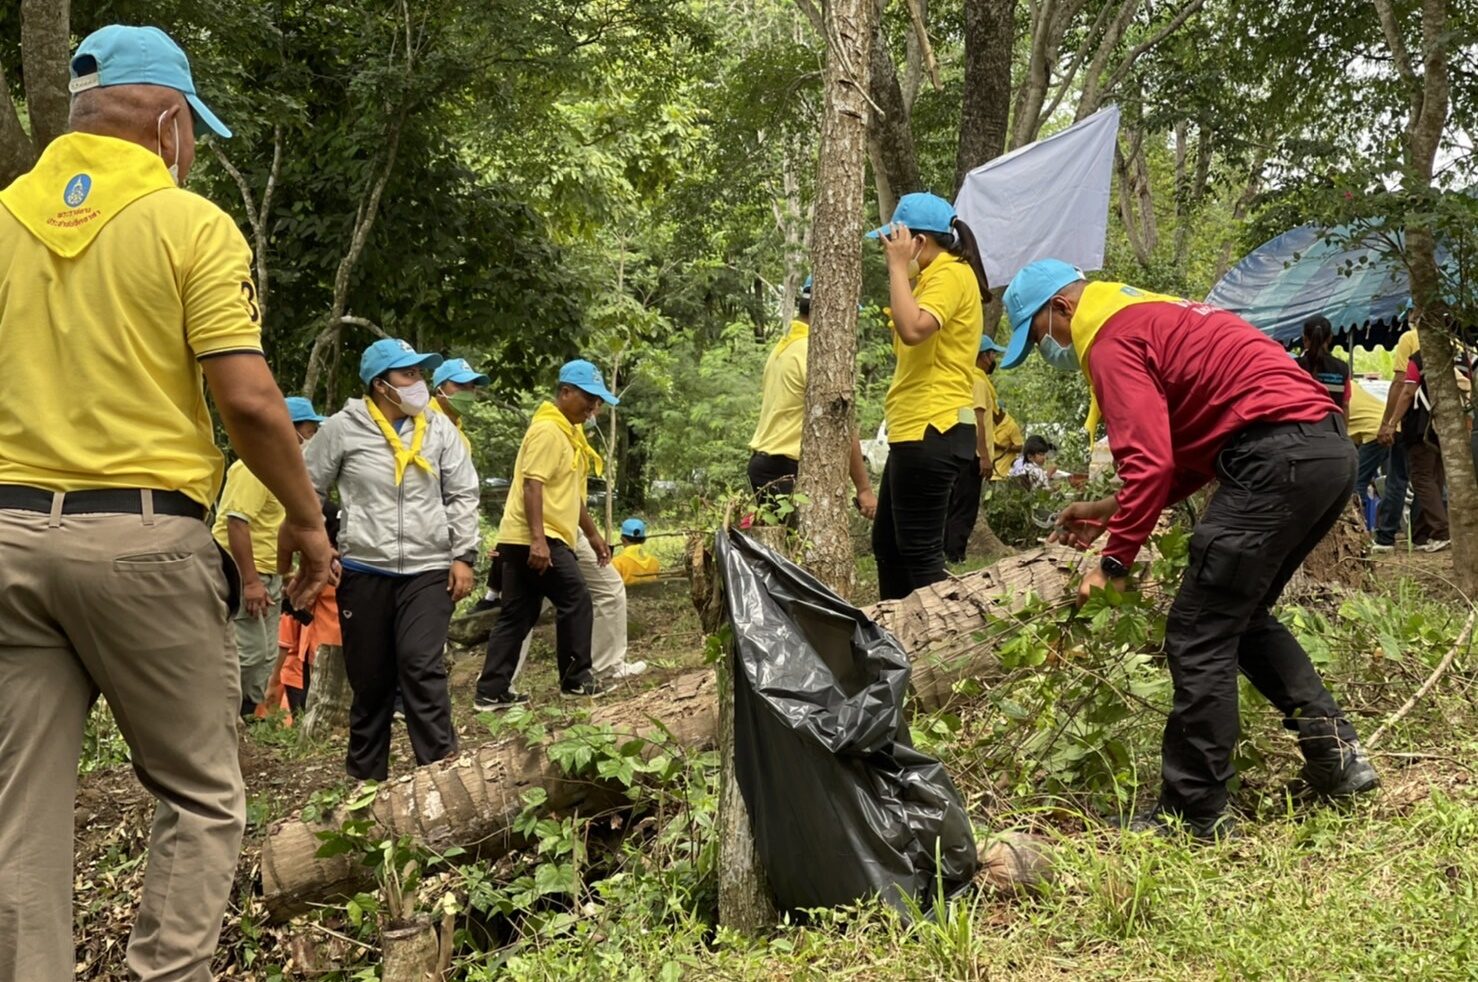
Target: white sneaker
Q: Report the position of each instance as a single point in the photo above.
(625, 670)
(1435, 545)
(1382, 547)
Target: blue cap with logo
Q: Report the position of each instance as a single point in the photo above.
(1028, 293)
(586, 377)
(988, 343)
(301, 410)
(122, 55)
(806, 289)
(634, 528)
(388, 354)
(458, 370)
(921, 212)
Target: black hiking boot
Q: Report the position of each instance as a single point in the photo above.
(1334, 764)
(1169, 825)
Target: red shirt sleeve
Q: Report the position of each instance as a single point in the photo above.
(1138, 417)
(1413, 374)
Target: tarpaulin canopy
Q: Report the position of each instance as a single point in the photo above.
(1362, 288)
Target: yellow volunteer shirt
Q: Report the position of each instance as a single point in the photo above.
(546, 456)
(247, 498)
(934, 380)
(1408, 344)
(635, 565)
(1362, 419)
(783, 395)
(1009, 441)
(113, 283)
(983, 395)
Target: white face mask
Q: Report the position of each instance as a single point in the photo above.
(411, 399)
(174, 168)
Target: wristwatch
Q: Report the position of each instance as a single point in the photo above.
(1112, 568)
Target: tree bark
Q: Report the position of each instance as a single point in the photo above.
(985, 104)
(17, 153)
(1429, 94)
(831, 359)
(745, 903)
(46, 39)
(473, 799)
(329, 695)
(410, 951)
(893, 126)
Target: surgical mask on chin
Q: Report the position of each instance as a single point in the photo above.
(1062, 357)
(174, 168)
(462, 402)
(411, 399)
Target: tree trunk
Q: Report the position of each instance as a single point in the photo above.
(831, 359)
(17, 153)
(745, 903)
(329, 695)
(876, 74)
(473, 799)
(985, 104)
(46, 42)
(410, 951)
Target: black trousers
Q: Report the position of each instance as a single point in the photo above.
(964, 509)
(1428, 483)
(913, 504)
(524, 593)
(1283, 486)
(772, 475)
(394, 631)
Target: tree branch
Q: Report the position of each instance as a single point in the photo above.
(1127, 65)
(813, 14)
(921, 33)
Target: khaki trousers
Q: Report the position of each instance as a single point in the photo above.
(608, 599)
(256, 642)
(136, 609)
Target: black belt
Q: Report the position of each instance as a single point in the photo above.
(101, 501)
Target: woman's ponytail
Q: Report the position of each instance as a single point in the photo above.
(967, 249)
(1318, 340)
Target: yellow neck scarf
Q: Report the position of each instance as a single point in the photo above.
(584, 452)
(1099, 302)
(798, 329)
(404, 456)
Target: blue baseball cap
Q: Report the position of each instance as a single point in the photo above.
(634, 528)
(806, 289)
(121, 55)
(921, 212)
(301, 410)
(459, 371)
(988, 343)
(388, 354)
(1028, 293)
(586, 377)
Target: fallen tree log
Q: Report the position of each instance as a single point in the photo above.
(473, 799)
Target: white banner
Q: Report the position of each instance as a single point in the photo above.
(1046, 200)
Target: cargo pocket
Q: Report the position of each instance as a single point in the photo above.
(1229, 564)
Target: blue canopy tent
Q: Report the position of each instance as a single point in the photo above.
(1310, 270)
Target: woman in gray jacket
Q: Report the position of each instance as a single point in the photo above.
(408, 539)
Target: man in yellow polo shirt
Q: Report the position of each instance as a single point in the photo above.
(964, 499)
(537, 541)
(776, 445)
(130, 289)
(247, 520)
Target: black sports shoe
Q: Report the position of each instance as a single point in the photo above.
(1168, 825)
(486, 604)
(583, 690)
(1334, 764)
(484, 704)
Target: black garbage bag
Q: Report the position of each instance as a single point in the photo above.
(841, 804)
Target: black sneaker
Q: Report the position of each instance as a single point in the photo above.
(486, 604)
(583, 690)
(1334, 764)
(485, 704)
(1168, 825)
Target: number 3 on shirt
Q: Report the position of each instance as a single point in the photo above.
(249, 294)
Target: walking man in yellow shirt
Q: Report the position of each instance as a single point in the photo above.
(776, 445)
(131, 289)
(537, 540)
(247, 520)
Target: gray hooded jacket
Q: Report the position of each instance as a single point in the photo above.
(414, 527)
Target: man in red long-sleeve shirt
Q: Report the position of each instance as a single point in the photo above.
(1192, 393)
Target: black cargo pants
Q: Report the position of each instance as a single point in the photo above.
(1283, 486)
